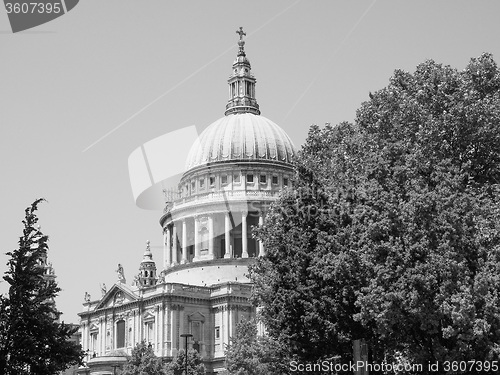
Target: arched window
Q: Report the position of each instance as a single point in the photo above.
(204, 238)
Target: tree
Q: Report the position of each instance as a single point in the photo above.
(32, 340)
(391, 230)
(143, 361)
(250, 354)
(307, 282)
(194, 364)
(433, 246)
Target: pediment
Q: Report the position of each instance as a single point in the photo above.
(196, 317)
(148, 316)
(118, 295)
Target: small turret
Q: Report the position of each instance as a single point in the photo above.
(49, 273)
(147, 269)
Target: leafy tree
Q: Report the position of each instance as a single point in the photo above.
(32, 340)
(391, 230)
(194, 364)
(143, 362)
(433, 246)
(250, 354)
(307, 282)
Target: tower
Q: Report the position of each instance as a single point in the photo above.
(48, 271)
(147, 269)
(241, 84)
(237, 167)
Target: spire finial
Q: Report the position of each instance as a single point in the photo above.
(147, 245)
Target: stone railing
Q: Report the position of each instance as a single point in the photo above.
(222, 196)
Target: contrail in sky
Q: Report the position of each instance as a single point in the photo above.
(328, 60)
(186, 79)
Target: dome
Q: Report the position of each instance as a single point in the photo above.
(241, 137)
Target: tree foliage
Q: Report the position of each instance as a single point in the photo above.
(143, 361)
(250, 354)
(194, 363)
(391, 231)
(32, 340)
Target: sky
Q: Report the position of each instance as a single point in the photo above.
(79, 94)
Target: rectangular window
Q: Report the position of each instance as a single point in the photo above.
(193, 185)
(224, 179)
(148, 332)
(285, 181)
(236, 178)
(250, 178)
(120, 334)
(217, 333)
(212, 181)
(93, 342)
(263, 179)
(275, 180)
(202, 183)
(196, 331)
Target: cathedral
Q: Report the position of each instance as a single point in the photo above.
(234, 171)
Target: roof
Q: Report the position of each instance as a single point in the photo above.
(241, 136)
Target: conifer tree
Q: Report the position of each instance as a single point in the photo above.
(32, 339)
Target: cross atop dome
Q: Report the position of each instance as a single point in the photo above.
(241, 83)
(241, 33)
(241, 42)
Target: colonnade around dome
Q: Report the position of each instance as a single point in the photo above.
(215, 208)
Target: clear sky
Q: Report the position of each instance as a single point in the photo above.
(66, 84)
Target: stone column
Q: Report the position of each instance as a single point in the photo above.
(184, 242)
(102, 336)
(211, 238)
(173, 330)
(168, 330)
(244, 239)
(161, 328)
(134, 334)
(226, 326)
(137, 328)
(182, 328)
(196, 239)
(167, 258)
(227, 226)
(262, 251)
(175, 261)
(85, 345)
